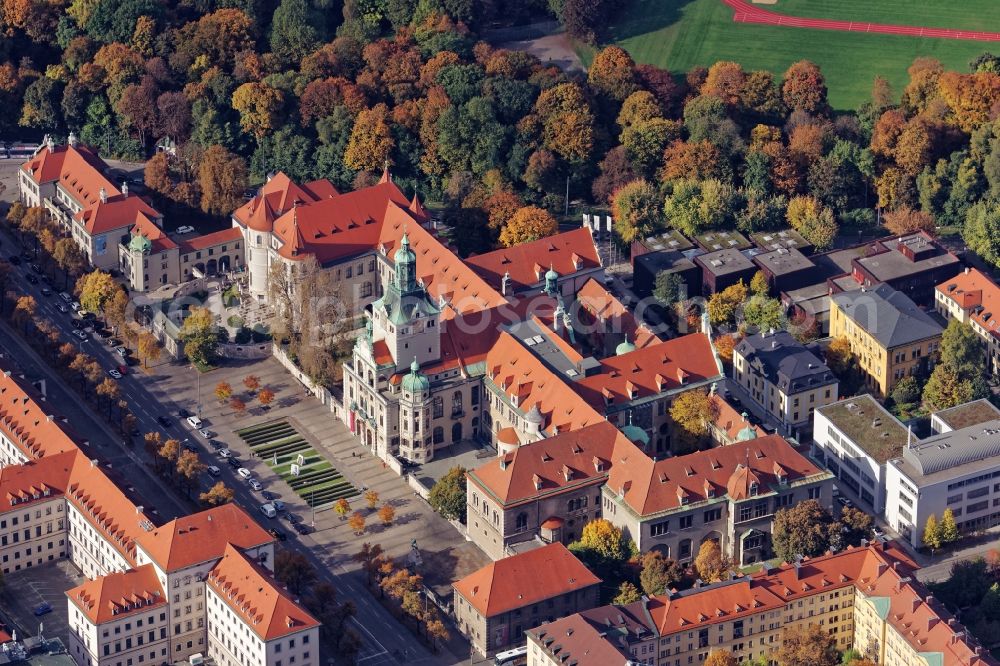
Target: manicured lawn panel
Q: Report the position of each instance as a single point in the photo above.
(681, 34)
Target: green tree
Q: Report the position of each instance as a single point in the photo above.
(759, 284)
(932, 533)
(982, 231)
(638, 210)
(296, 30)
(723, 305)
(658, 573)
(946, 388)
(627, 593)
(855, 526)
(670, 288)
(803, 529)
(765, 313)
(906, 391)
(948, 527)
(962, 350)
(447, 495)
(200, 336)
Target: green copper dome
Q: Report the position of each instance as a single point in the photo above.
(404, 253)
(416, 381)
(625, 347)
(636, 434)
(747, 433)
(140, 243)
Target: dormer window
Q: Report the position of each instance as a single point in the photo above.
(754, 488)
(709, 491)
(782, 479)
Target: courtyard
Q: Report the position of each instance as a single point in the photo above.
(28, 589)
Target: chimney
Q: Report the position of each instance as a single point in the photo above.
(104, 195)
(73, 142)
(50, 143)
(138, 509)
(93, 462)
(966, 271)
(125, 188)
(505, 283)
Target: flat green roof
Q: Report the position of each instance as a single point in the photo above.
(869, 426)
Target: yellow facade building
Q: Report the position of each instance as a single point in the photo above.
(888, 333)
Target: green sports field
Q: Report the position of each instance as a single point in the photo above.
(680, 34)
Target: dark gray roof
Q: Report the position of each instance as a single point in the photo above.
(888, 315)
(725, 262)
(783, 261)
(785, 362)
(886, 266)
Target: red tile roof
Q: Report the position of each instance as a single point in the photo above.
(524, 579)
(729, 421)
(118, 594)
(277, 196)
(118, 212)
(256, 598)
(527, 263)
(563, 462)
(36, 480)
(597, 301)
(649, 487)
(650, 371)
(202, 536)
(521, 375)
(78, 169)
(159, 240)
(574, 640)
(971, 289)
(25, 423)
(210, 240)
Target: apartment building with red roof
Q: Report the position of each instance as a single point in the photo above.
(495, 605)
(116, 229)
(727, 426)
(727, 494)
(606, 321)
(973, 298)
(571, 257)
(865, 598)
(547, 489)
(252, 620)
(55, 503)
(122, 616)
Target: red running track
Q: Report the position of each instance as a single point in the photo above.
(745, 12)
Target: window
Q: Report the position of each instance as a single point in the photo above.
(686, 522)
(522, 522)
(713, 515)
(685, 548)
(659, 529)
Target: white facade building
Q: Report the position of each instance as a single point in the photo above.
(957, 470)
(855, 438)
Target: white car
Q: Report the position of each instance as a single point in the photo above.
(244, 472)
(225, 453)
(186, 229)
(122, 351)
(213, 470)
(268, 510)
(80, 334)
(75, 306)
(206, 433)
(255, 484)
(115, 374)
(66, 297)
(194, 422)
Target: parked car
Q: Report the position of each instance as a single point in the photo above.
(268, 510)
(845, 502)
(80, 334)
(278, 504)
(291, 517)
(76, 323)
(191, 447)
(123, 369)
(244, 472)
(877, 531)
(43, 609)
(277, 534)
(206, 433)
(194, 422)
(115, 374)
(216, 444)
(213, 470)
(35, 267)
(235, 463)
(164, 421)
(225, 453)
(183, 413)
(66, 297)
(31, 278)
(122, 351)
(268, 495)
(62, 308)
(75, 306)
(46, 291)
(255, 484)
(301, 528)
(186, 229)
